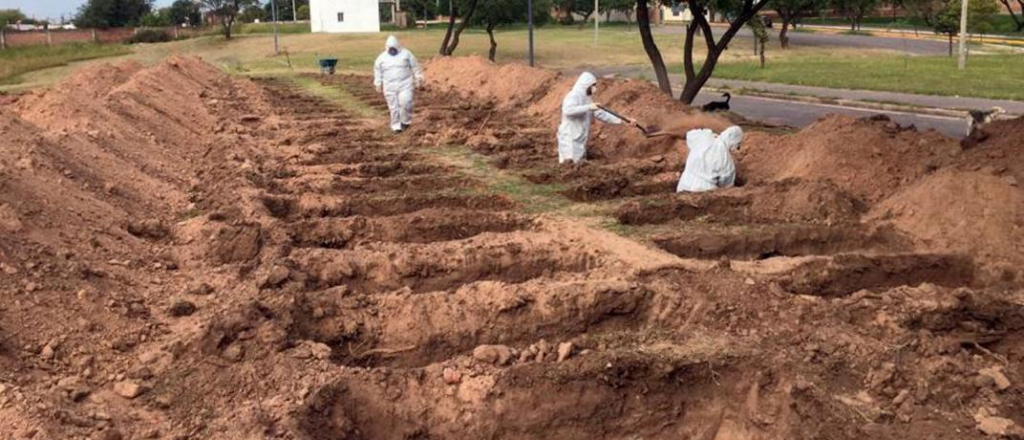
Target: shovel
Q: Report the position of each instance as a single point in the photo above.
(649, 131)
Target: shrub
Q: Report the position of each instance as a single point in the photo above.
(150, 36)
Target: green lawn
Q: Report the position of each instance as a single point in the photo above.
(20, 60)
(1002, 24)
(987, 76)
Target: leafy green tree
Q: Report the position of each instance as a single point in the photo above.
(855, 10)
(625, 7)
(568, 8)
(112, 13)
(158, 18)
(761, 36)
(791, 11)
(226, 11)
(11, 16)
(303, 12)
(186, 12)
(252, 13)
(1018, 17)
(284, 9)
(980, 17)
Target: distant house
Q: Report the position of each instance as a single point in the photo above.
(343, 16)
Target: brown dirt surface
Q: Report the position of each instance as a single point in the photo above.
(974, 212)
(871, 158)
(185, 254)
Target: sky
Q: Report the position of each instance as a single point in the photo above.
(52, 9)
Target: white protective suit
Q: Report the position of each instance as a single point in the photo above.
(576, 119)
(397, 77)
(709, 163)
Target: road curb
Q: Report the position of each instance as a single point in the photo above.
(851, 103)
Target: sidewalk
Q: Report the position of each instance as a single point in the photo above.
(908, 99)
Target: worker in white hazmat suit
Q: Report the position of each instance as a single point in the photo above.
(709, 163)
(396, 74)
(578, 111)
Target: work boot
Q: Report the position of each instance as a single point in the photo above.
(405, 126)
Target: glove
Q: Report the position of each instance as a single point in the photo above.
(595, 106)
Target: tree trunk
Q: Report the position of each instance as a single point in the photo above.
(227, 22)
(1016, 19)
(448, 34)
(462, 26)
(643, 21)
(762, 54)
(494, 44)
(951, 45)
(783, 38)
(694, 82)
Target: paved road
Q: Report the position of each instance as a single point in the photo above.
(799, 114)
(911, 46)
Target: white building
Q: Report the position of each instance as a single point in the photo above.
(337, 16)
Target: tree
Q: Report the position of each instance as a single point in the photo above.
(252, 13)
(11, 16)
(158, 18)
(1018, 19)
(451, 36)
(737, 12)
(567, 9)
(855, 10)
(623, 6)
(980, 13)
(284, 9)
(226, 11)
(112, 13)
(761, 37)
(791, 11)
(185, 12)
(493, 13)
(303, 12)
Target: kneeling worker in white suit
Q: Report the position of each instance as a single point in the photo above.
(396, 74)
(709, 163)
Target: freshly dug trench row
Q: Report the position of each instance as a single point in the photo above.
(605, 189)
(331, 184)
(426, 226)
(764, 241)
(843, 274)
(312, 205)
(385, 169)
(401, 330)
(512, 257)
(360, 86)
(327, 155)
(786, 201)
(609, 395)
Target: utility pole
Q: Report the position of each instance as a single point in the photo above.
(962, 62)
(597, 19)
(295, 13)
(273, 12)
(529, 26)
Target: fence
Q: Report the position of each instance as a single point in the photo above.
(51, 37)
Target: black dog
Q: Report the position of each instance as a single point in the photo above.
(715, 106)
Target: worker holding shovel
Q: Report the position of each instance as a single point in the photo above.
(578, 112)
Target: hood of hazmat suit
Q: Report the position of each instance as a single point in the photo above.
(577, 118)
(709, 163)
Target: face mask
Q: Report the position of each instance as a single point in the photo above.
(392, 51)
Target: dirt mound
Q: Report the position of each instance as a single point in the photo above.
(954, 211)
(539, 92)
(1000, 149)
(871, 158)
(506, 84)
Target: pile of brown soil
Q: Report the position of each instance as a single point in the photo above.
(1000, 151)
(972, 212)
(871, 158)
(540, 92)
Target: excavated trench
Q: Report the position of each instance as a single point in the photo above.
(426, 226)
(400, 330)
(386, 267)
(758, 242)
